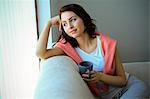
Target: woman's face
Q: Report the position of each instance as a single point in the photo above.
(72, 24)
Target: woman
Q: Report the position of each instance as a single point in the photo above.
(80, 42)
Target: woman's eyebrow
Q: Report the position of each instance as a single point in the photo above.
(70, 18)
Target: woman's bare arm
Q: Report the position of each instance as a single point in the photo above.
(41, 48)
(118, 80)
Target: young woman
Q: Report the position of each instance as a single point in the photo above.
(81, 42)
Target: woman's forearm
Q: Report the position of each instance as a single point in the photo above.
(119, 79)
(41, 47)
(112, 80)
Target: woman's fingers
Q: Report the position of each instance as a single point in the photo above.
(91, 76)
(93, 72)
(55, 20)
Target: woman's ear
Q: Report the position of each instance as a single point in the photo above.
(60, 27)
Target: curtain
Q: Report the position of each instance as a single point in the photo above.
(18, 37)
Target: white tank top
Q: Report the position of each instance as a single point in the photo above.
(95, 57)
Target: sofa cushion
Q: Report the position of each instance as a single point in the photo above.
(59, 79)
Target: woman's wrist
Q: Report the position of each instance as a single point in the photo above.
(55, 20)
(100, 74)
(49, 22)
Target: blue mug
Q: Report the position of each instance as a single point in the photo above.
(84, 67)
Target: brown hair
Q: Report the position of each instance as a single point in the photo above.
(90, 27)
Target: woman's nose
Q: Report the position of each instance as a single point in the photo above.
(70, 25)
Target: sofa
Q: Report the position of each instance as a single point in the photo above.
(59, 78)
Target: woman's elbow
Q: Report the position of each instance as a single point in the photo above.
(40, 55)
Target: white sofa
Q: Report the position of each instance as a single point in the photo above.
(59, 79)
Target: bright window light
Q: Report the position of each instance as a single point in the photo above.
(18, 37)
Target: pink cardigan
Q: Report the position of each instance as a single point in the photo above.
(108, 46)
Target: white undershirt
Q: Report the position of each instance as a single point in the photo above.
(95, 57)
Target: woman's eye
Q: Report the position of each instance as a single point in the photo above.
(74, 19)
(64, 24)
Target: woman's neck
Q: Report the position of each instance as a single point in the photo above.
(85, 42)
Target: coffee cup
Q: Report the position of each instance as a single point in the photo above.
(84, 68)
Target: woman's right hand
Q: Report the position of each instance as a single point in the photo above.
(55, 20)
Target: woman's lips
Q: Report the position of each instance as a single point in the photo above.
(73, 31)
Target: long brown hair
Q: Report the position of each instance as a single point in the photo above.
(90, 27)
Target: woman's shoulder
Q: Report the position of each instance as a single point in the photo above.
(104, 36)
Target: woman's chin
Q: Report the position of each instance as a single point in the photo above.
(74, 36)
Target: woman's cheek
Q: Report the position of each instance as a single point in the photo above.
(66, 31)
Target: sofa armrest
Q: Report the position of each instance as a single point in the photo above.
(140, 70)
(59, 79)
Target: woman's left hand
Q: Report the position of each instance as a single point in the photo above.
(95, 76)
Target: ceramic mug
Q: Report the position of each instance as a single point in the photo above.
(84, 67)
